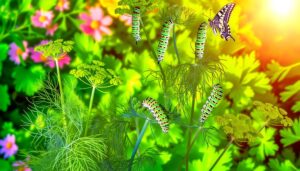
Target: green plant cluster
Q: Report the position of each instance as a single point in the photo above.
(89, 115)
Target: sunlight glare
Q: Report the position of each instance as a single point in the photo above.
(282, 7)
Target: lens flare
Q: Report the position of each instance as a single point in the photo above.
(282, 7)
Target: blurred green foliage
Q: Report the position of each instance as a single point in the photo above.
(258, 106)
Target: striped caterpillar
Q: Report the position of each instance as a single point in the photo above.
(164, 40)
(200, 41)
(215, 96)
(136, 24)
(157, 113)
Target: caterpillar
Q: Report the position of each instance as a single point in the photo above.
(211, 102)
(200, 41)
(164, 40)
(157, 113)
(136, 24)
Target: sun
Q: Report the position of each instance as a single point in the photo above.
(282, 7)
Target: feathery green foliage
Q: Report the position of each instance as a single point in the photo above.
(96, 75)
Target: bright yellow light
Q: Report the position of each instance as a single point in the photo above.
(282, 7)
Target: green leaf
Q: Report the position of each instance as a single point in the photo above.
(5, 165)
(25, 5)
(5, 101)
(290, 91)
(28, 80)
(264, 146)
(296, 107)
(173, 136)
(3, 54)
(242, 73)
(209, 157)
(246, 165)
(47, 5)
(85, 45)
(249, 165)
(287, 165)
(291, 135)
(7, 128)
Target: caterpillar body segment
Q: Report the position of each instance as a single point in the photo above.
(157, 112)
(164, 40)
(212, 101)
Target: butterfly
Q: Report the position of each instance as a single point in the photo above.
(220, 22)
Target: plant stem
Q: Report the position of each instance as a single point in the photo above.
(230, 142)
(175, 44)
(62, 99)
(223, 152)
(194, 140)
(90, 109)
(138, 143)
(155, 58)
(137, 131)
(190, 131)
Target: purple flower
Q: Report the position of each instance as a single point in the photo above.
(16, 52)
(8, 146)
(21, 165)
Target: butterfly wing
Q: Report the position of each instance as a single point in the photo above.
(221, 19)
(228, 9)
(225, 33)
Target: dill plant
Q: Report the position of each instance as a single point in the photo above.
(60, 136)
(239, 128)
(98, 77)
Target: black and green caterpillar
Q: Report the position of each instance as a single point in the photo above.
(157, 112)
(164, 40)
(200, 41)
(211, 102)
(136, 14)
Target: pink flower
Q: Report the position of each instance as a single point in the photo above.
(42, 18)
(38, 57)
(63, 60)
(51, 29)
(62, 5)
(16, 52)
(8, 146)
(21, 165)
(127, 19)
(96, 24)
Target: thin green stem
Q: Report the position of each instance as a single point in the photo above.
(90, 109)
(194, 140)
(155, 57)
(137, 131)
(175, 44)
(229, 143)
(62, 99)
(138, 142)
(223, 152)
(190, 131)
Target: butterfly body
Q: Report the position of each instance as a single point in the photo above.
(220, 21)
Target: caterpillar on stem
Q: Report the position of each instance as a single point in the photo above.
(157, 112)
(212, 101)
(164, 39)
